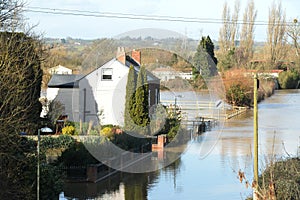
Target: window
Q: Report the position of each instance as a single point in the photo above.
(107, 74)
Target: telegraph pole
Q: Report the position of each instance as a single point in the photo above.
(255, 138)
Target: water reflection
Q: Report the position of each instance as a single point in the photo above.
(214, 176)
(127, 186)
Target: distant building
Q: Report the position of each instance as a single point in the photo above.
(60, 70)
(101, 93)
(167, 73)
(273, 73)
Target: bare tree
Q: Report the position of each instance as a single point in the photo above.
(224, 34)
(10, 14)
(234, 27)
(276, 33)
(20, 85)
(227, 36)
(293, 31)
(247, 34)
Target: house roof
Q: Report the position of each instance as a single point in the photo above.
(71, 80)
(130, 61)
(60, 66)
(64, 81)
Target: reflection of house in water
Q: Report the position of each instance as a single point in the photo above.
(168, 73)
(120, 186)
(101, 93)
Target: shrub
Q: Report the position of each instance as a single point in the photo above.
(236, 95)
(172, 133)
(68, 130)
(285, 176)
(69, 123)
(288, 79)
(76, 155)
(63, 141)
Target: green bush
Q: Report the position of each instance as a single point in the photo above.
(288, 79)
(62, 142)
(69, 123)
(236, 95)
(76, 155)
(285, 175)
(173, 132)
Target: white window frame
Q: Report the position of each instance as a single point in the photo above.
(108, 72)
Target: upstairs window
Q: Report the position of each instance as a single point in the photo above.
(107, 74)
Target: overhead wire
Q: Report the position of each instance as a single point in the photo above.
(117, 15)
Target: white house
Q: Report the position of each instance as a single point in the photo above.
(101, 93)
(167, 73)
(60, 70)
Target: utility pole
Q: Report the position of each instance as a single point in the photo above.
(255, 138)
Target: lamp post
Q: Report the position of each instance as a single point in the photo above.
(44, 130)
(176, 96)
(38, 167)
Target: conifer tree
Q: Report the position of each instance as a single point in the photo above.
(204, 59)
(210, 49)
(141, 114)
(130, 99)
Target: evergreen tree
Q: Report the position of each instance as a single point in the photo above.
(204, 59)
(130, 99)
(141, 114)
(200, 62)
(174, 59)
(210, 49)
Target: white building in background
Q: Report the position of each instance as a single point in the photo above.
(50, 93)
(101, 93)
(168, 73)
(60, 70)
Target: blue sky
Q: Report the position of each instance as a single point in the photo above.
(62, 26)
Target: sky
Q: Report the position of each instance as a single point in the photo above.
(89, 27)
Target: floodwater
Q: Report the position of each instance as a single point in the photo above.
(209, 166)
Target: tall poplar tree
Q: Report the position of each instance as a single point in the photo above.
(247, 34)
(141, 114)
(228, 36)
(276, 33)
(130, 100)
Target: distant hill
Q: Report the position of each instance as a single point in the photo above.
(151, 32)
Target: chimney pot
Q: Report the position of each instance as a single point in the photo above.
(121, 55)
(136, 55)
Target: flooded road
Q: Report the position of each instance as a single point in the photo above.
(208, 167)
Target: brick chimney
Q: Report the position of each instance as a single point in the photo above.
(121, 55)
(136, 55)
